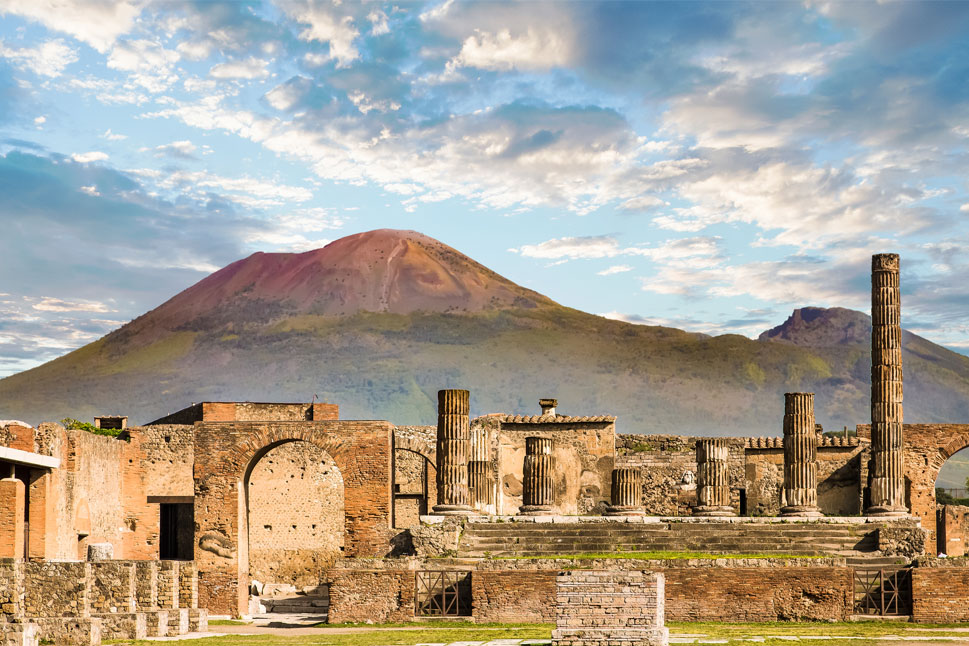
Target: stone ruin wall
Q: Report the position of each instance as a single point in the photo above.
(296, 512)
(583, 455)
(409, 470)
(953, 527)
(668, 465)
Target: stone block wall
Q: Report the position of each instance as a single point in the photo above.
(668, 466)
(506, 596)
(953, 529)
(609, 608)
(53, 589)
(940, 590)
(112, 587)
(11, 588)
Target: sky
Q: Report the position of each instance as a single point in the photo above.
(709, 166)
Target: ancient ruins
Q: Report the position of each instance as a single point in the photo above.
(243, 508)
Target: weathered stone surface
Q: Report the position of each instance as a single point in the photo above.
(713, 478)
(537, 490)
(800, 456)
(453, 449)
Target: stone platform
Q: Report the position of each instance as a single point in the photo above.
(854, 537)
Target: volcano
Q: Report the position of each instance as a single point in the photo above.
(379, 321)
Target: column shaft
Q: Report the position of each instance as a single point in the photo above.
(538, 494)
(627, 492)
(453, 446)
(886, 476)
(713, 478)
(480, 487)
(800, 456)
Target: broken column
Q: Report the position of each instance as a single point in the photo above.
(537, 497)
(453, 446)
(627, 492)
(886, 480)
(479, 470)
(800, 456)
(712, 478)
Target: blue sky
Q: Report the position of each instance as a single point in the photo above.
(705, 165)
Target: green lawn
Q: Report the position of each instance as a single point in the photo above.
(767, 634)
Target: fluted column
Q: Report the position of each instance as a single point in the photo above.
(479, 470)
(886, 478)
(800, 456)
(712, 478)
(453, 446)
(537, 497)
(627, 492)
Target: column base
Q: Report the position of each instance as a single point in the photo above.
(535, 510)
(624, 510)
(713, 510)
(801, 511)
(452, 510)
(887, 511)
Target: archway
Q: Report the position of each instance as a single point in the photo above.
(226, 454)
(295, 504)
(952, 499)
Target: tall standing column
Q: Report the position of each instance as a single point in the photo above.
(886, 478)
(479, 470)
(537, 497)
(627, 492)
(712, 478)
(453, 445)
(800, 456)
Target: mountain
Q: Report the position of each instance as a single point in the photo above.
(378, 322)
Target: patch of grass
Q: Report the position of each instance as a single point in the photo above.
(660, 556)
(435, 623)
(872, 629)
(227, 622)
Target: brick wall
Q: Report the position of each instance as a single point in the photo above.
(511, 596)
(940, 593)
(12, 493)
(953, 529)
(371, 596)
(295, 515)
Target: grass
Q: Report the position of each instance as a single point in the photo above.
(768, 634)
(227, 622)
(658, 556)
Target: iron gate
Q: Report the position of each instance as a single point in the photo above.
(442, 593)
(883, 592)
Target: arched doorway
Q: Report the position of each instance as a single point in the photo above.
(952, 499)
(295, 503)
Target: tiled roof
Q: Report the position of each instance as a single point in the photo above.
(553, 419)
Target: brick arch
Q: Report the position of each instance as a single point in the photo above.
(954, 445)
(226, 452)
(428, 450)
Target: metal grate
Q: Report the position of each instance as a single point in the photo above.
(883, 592)
(442, 593)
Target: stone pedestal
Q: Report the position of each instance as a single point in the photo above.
(886, 478)
(453, 446)
(610, 608)
(100, 552)
(712, 478)
(800, 456)
(627, 492)
(537, 494)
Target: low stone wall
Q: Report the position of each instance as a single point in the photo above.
(506, 596)
(609, 608)
(81, 602)
(513, 590)
(377, 596)
(940, 590)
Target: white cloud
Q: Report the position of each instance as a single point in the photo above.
(183, 149)
(437, 12)
(615, 269)
(247, 191)
(96, 22)
(326, 27)
(378, 22)
(250, 68)
(91, 190)
(92, 156)
(48, 59)
(48, 304)
(572, 248)
(148, 62)
(644, 203)
(111, 136)
(41, 120)
(533, 49)
(964, 208)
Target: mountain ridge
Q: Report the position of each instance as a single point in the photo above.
(379, 321)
